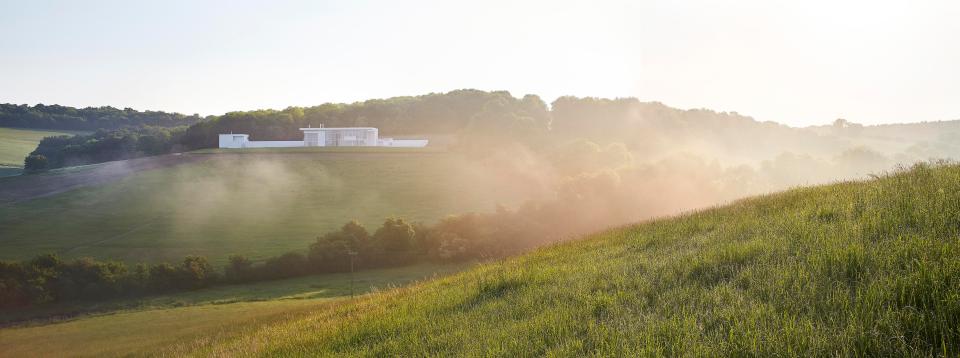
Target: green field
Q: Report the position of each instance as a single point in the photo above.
(258, 205)
(16, 143)
(154, 323)
(851, 269)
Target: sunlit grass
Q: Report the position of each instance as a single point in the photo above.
(153, 323)
(867, 268)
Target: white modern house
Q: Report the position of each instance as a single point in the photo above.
(325, 137)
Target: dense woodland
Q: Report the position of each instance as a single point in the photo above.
(476, 120)
(87, 119)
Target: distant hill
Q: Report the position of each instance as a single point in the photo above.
(258, 204)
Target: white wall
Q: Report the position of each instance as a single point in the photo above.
(233, 140)
(274, 144)
(371, 139)
(315, 139)
(403, 143)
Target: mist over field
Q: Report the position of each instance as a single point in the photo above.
(510, 172)
(579, 166)
(613, 162)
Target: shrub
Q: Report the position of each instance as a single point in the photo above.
(35, 163)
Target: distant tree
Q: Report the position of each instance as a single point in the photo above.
(35, 163)
(239, 269)
(86, 278)
(452, 246)
(424, 241)
(196, 272)
(42, 273)
(136, 282)
(163, 277)
(357, 234)
(844, 127)
(395, 235)
(332, 251)
(287, 265)
(13, 292)
(861, 161)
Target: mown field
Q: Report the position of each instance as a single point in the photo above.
(852, 269)
(154, 323)
(258, 205)
(16, 143)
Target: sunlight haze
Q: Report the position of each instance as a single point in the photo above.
(799, 63)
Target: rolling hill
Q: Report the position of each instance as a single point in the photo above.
(258, 204)
(865, 268)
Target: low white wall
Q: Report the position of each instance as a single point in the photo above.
(242, 141)
(274, 144)
(406, 143)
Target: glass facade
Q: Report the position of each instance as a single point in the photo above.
(342, 137)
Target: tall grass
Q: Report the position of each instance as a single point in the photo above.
(852, 269)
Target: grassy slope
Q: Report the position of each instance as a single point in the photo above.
(853, 268)
(15, 144)
(255, 204)
(154, 323)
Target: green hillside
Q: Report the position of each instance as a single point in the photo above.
(16, 143)
(149, 324)
(860, 268)
(259, 205)
(866, 268)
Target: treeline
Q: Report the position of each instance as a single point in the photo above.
(103, 146)
(456, 112)
(479, 121)
(89, 119)
(476, 117)
(49, 279)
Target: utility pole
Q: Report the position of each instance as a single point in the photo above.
(352, 254)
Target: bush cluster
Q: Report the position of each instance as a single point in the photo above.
(48, 278)
(103, 146)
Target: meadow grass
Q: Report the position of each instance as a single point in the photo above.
(150, 324)
(851, 269)
(318, 286)
(259, 205)
(16, 143)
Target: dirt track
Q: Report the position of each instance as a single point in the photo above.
(26, 187)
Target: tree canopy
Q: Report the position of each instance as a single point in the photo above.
(90, 118)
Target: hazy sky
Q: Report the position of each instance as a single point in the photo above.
(796, 62)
